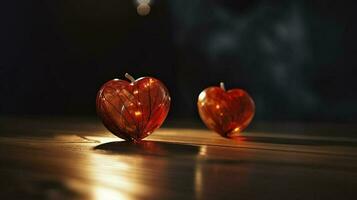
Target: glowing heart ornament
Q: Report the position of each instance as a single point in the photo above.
(225, 112)
(133, 110)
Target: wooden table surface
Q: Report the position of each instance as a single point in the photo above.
(79, 159)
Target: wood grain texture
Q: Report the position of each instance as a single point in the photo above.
(68, 159)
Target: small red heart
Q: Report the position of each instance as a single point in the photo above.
(225, 112)
(133, 110)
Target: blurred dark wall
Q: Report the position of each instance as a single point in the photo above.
(296, 58)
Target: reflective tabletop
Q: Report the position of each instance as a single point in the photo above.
(80, 159)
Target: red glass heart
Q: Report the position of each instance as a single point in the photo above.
(225, 112)
(133, 110)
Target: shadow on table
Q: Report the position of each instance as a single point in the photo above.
(297, 141)
(149, 147)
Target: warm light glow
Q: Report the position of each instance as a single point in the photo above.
(198, 182)
(113, 178)
(143, 9)
(217, 106)
(110, 194)
(202, 96)
(137, 113)
(203, 151)
(108, 179)
(136, 92)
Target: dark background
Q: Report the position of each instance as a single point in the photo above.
(296, 58)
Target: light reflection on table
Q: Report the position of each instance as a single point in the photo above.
(175, 164)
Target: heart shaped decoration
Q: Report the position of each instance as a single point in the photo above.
(133, 110)
(225, 112)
